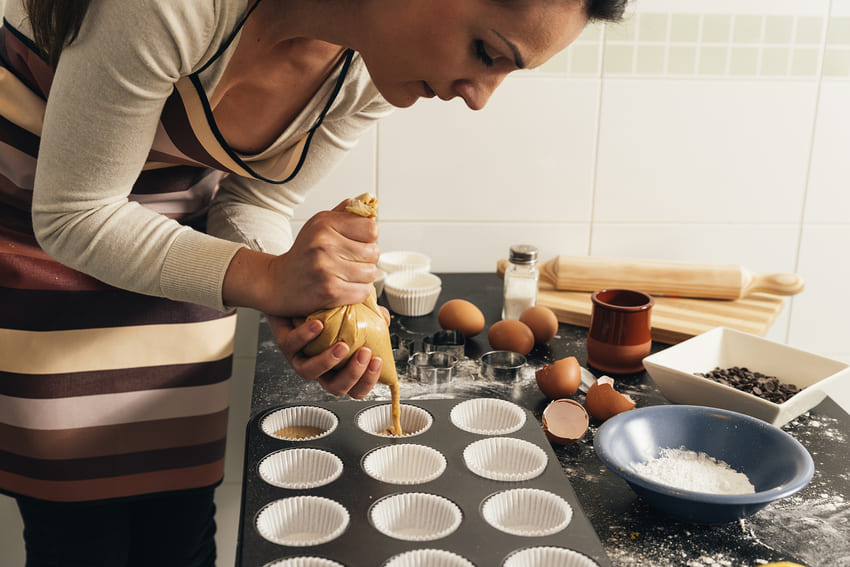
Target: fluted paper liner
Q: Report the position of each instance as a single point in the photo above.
(415, 516)
(428, 558)
(505, 459)
(376, 419)
(301, 468)
(528, 512)
(305, 416)
(404, 464)
(488, 416)
(304, 562)
(412, 293)
(302, 521)
(546, 556)
(404, 261)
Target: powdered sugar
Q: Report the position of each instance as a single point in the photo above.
(698, 472)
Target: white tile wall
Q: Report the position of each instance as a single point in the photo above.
(699, 130)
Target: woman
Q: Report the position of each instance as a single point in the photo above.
(152, 155)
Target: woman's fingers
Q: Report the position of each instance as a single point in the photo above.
(357, 378)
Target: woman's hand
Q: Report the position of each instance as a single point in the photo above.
(331, 263)
(356, 378)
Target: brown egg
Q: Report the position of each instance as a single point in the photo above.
(565, 421)
(462, 316)
(510, 334)
(603, 401)
(560, 379)
(542, 322)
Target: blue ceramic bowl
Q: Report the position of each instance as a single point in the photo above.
(776, 464)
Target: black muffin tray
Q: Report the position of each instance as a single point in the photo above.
(361, 544)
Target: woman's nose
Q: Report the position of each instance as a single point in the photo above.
(476, 92)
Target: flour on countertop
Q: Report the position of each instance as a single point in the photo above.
(698, 472)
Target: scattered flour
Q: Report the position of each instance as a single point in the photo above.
(698, 472)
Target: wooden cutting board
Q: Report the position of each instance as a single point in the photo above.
(675, 319)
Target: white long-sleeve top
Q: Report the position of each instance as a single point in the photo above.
(103, 117)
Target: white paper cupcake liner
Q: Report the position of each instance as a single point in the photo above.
(304, 562)
(528, 512)
(376, 419)
(404, 261)
(415, 516)
(303, 416)
(505, 459)
(548, 557)
(302, 521)
(404, 464)
(412, 293)
(488, 416)
(428, 558)
(300, 469)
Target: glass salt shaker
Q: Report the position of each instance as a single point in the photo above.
(521, 274)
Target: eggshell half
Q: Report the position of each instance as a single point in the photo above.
(560, 379)
(603, 401)
(564, 421)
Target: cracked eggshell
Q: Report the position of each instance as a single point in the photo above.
(560, 379)
(565, 421)
(603, 401)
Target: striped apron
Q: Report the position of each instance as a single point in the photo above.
(106, 393)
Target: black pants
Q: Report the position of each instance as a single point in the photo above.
(165, 530)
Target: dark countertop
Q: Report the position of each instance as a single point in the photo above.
(811, 528)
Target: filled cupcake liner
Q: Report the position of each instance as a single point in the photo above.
(415, 516)
(404, 464)
(304, 562)
(527, 512)
(301, 468)
(547, 556)
(302, 521)
(376, 419)
(428, 558)
(505, 459)
(300, 416)
(487, 416)
(404, 261)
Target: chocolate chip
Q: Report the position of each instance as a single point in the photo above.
(767, 387)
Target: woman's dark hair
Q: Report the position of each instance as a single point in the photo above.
(55, 24)
(605, 10)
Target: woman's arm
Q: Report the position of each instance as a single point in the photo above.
(103, 109)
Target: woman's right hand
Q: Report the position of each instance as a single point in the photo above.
(356, 378)
(331, 263)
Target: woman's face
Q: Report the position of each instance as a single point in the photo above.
(462, 48)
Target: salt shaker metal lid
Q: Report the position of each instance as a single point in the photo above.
(523, 254)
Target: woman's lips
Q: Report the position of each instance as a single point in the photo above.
(429, 92)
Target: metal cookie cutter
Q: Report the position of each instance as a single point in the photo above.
(433, 367)
(501, 365)
(401, 352)
(452, 342)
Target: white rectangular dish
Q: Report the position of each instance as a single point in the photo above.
(674, 370)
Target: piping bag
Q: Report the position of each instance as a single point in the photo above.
(361, 324)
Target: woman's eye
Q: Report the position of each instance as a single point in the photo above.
(481, 53)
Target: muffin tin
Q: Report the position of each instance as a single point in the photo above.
(474, 482)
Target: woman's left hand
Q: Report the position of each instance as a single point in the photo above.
(356, 378)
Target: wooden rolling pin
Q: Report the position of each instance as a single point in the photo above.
(683, 279)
